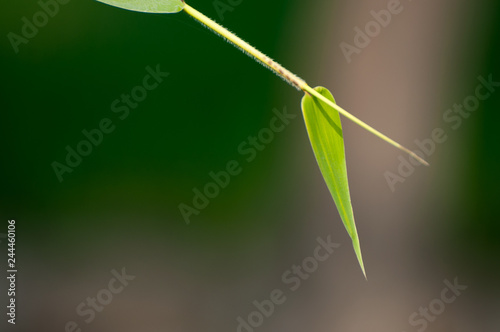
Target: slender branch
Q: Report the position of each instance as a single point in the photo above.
(282, 72)
(362, 124)
(288, 76)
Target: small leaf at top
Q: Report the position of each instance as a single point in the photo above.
(148, 6)
(325, 133)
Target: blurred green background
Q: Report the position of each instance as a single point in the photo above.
(120, 206)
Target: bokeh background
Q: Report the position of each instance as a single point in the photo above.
(120, 207)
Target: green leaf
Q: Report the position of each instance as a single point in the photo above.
(325, 133)
(148, 6)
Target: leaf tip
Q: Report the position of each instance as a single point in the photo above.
(357, 250)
